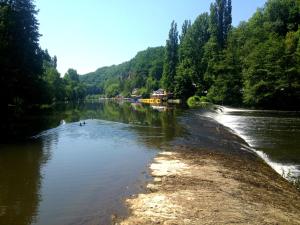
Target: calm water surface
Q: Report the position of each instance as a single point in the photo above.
(74, 174)
(68, 174)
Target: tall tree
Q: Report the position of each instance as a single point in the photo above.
(215, 53)
(227, 19)
(75, 90)
(171, 59)
(20, 54)
(221, 20)
(185, 27)
(192, 67)
(54, 85)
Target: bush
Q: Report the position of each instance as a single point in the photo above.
(204, 99)
(194, 101)
(197, 101)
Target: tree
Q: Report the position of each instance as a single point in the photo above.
(215, 51)
(75, 90)
(112, 90)
(221, 20)
(192, 67)
(171, 59)
(72, 75)
(20, 54)
(185, 27)
(256, 64)
(184, 87)
(270, 67)
(282, 16)
(54, 85)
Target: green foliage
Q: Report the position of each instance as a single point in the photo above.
(282, 16)
(256, 64)
(193, 101)
(204, 99)
(75, 90)
(72, 76)
(144, 92)
(217, 56)
(271, 62)
(220, 21)
(55, 86)
(112, 90)
(226, 84)
(144, 70)
(185, 27)
(20, 54)
(192, 66)
(151, 84)
(196, 101)
(28, 74)
(184, 87)
(171, 59)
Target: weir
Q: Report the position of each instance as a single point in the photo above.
(272, 135)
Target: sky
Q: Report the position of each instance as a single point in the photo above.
(86, 35)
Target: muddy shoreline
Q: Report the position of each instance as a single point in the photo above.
(211, 176)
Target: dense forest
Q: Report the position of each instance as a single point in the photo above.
(256, 64)
(28, 73)
(143, 72)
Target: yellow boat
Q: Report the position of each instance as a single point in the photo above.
(151, 101)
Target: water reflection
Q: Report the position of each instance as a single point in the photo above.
(20, 178)
(154, 127)
(67, 174)
(71, 174)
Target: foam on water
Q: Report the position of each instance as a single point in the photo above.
(241, 125)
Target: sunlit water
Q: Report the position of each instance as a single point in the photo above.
(274, 135)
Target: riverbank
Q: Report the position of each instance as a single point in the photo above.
(211, 176)
(200, 188)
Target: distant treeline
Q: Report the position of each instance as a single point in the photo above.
(144, 72)
(256, 64)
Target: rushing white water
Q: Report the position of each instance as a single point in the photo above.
(273, 135)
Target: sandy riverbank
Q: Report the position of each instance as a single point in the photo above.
(194, 187)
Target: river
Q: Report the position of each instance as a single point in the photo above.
(273, 135)
(82, 161)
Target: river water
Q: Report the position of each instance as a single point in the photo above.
(71, 174)
(273, 135)
(67, 174)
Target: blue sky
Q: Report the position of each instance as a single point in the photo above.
(89, 34)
